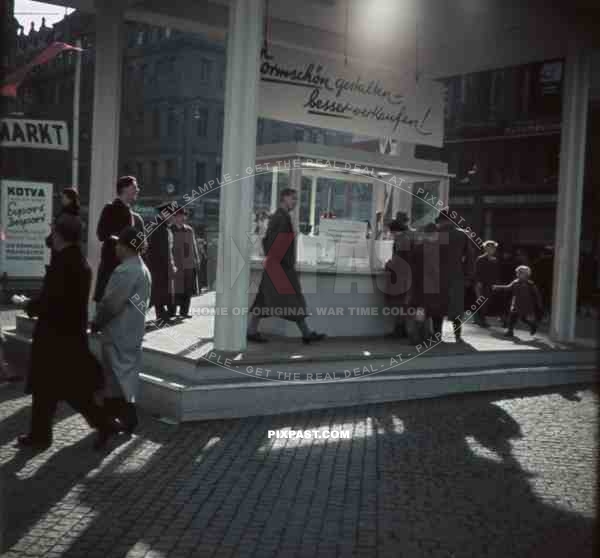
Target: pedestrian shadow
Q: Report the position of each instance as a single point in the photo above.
(433, 478)
(28, 498)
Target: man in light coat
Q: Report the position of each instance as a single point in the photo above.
(120, 315)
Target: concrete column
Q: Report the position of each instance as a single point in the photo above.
(239, 153)
(106, 117)
(274, 191)
(313, 203)
(296, 184)
(444, 193)
(575, 98)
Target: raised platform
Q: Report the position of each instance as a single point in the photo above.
(185, 379)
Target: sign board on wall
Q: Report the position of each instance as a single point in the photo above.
(26, 213)
(318, 91)
(37, 134)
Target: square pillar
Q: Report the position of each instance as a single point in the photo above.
(239, 153)
(106, 117)
(575, 98)
(296, 184)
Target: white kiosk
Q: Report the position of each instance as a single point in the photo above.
(341, 270)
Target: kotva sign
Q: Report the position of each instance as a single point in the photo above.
(319, 91)
(40, 134)
(25, 212)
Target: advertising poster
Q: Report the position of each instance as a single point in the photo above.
(26, 214)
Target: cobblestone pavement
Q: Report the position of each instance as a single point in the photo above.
(485, 475)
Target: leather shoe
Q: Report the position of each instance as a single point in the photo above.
(27, 441)
(314, 336)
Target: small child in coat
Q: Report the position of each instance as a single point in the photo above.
(526, 301)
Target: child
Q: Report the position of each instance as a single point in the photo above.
(526, 301)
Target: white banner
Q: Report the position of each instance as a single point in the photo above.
(38, 134)
(317, 91)
(26, 214)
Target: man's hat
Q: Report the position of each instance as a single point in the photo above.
(129, 237)
(170, 207)
(181, 210)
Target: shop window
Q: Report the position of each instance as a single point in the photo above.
(201, 117)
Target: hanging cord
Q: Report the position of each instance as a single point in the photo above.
(347, 31)
(417, 50)
(267, 28)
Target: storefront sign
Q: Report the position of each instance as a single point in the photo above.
(26, 213)
(37, 134)
(318, 91)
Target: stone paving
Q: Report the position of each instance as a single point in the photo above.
(485, 475)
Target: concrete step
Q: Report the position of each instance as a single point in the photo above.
(178, 388)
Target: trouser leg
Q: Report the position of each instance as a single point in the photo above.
(437, 323)
(303, 327)
(43, 408)
(184, 304)
(513, 317)
(95, 415)
(125, 412)
(457, 326)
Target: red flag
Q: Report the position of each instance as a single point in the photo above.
(11, 83)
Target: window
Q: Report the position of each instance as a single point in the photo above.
(200, 173)
(156, 123)
(201, 117)
(141, 37)
(170, 170)
(298, 135)
(205, 68)
(260, 131)
(154, 173)
(172, 122)
(140, 171)
(165, 67)
(218, 171)
(221, 83)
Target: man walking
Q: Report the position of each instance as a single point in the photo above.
(280, 293)
(487, 273)
(62, 366)
(120, 316)
(114, 218)
(453, 254)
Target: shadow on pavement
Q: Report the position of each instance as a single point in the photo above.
(417, 478)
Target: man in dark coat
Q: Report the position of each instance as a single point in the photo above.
(114, 218)
(487, 273)
(62, 366)
(448, 296)
(280, 293)
(187, 262)
(162, 264)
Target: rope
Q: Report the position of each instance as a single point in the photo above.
(347, 31)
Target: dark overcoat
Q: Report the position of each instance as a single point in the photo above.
(61, 363)
(453, 261)
(159, 258)
(187, 261)
(114, 218)
(280, 293)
